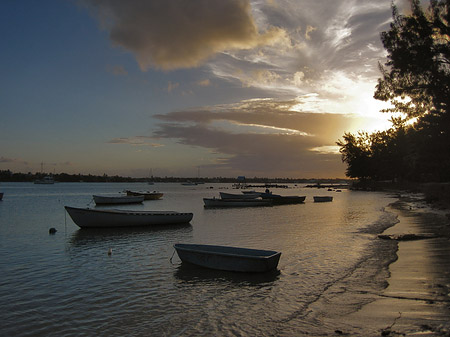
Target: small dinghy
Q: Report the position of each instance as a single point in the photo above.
(117, 200)
(146, 194)
(228, 258)
(323, 198)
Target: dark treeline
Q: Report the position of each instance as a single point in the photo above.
(416, 80)
(8, 176)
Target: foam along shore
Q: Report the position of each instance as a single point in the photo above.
(416, 300)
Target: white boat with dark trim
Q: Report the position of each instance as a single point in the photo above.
(47, 180)
(117, 199)
(146, 194)
(224, 195)
(323, 198)
(228, 258)
(216, 202)
(104, 218)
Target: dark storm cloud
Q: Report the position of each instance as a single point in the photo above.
(171, 34)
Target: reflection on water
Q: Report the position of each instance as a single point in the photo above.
(68, 285)
(94, 235)
(198, 275)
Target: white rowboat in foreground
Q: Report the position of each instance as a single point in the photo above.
(228, 258)
(94, 218)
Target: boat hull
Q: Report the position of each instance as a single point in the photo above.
(146, 195)
(283, 200)
(224, 195)
(93, 218)
(228, 258)
(1, 195)
(120, 200)
(213, 202)
(323, 198)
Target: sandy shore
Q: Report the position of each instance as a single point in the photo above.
(403, 289)
(417, 298)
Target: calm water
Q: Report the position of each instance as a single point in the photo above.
(67, 285)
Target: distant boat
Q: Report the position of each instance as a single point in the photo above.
(224, 195)
(228, 258)
(47, 180)
(283, 199)
(1, 195)
(216, 202)
(250, 192)
(189, 183)
(146, 194)
(94, 218)
(323, 198)
(116, 200)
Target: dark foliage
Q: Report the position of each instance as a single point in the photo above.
(416, 80)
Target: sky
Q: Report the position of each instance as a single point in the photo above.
(187, 88)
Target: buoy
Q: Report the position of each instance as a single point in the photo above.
(52, 230)
(110, 251)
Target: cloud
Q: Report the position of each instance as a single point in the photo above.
(204, 83)
(6, 160)
(171, 34)
(172, 86)
(135, 141)
(117, 70)
(261, 135)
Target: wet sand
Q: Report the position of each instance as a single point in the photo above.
(416, 300)
(403, 289)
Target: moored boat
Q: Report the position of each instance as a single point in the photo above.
(224, 195)
(95, 218)
(1, 195)
(283, 199)
(47, 180)
(228, 258)
(323, 198)
(146, 194)
(215, 202)
(117, 200)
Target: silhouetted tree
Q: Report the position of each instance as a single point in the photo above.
(416, 80)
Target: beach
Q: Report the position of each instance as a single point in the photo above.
(414, 299)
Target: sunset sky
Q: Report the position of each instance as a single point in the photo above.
(188, 87)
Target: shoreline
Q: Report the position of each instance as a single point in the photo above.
(416, 300)
(402, 288)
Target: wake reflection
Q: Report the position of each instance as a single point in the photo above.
(94, 235)
(194, 274)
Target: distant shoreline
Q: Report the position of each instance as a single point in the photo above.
(8, 176)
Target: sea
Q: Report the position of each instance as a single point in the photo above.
(66, 283)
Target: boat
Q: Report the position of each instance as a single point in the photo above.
(324, 198)
(1, 195)
(228, 258)
(47, 180)
(95, 218)
(216, 202)
(283, 199)
(189, 183)
(146, 194)
(250, 192)
(116, 200)
(224, 195)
